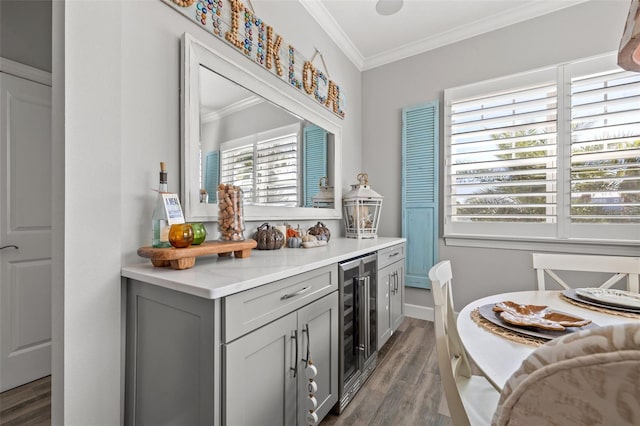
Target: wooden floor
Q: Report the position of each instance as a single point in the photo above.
(27, 405)
(403, 390)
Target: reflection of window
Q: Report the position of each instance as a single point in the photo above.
(264, 165)
(553, 153)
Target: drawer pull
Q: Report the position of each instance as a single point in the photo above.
(290, 295)
(394, 254)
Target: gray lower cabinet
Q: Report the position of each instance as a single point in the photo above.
(238, 360)
(265, 379)
(391, 271)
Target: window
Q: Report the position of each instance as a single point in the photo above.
(550, 154)
(264, 165)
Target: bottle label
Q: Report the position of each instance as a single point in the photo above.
(173, 209)
(164, 231)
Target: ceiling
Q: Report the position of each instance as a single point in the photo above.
(370, 39)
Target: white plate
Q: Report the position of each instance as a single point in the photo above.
(611, 296)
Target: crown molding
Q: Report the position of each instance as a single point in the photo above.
(319, 12)
(528, 11)
(232, 108)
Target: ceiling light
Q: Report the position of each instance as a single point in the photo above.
(388, 7)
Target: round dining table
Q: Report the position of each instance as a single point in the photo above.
(499, 357)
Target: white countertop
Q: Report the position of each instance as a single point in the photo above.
(213, 277)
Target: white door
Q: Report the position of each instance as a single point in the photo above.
(25, 223)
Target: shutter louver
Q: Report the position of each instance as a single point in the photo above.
(503, 156)
(315, 161)
(420, 140)
(605, 148)
(212, 175)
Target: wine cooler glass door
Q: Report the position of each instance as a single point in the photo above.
(350, 320)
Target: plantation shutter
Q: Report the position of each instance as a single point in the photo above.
(503, 156)
(315, 161)
(277, 171)
(420, 140)
(212, 174)
(236, 167)
(605, 147)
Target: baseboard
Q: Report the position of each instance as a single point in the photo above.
(418, 311)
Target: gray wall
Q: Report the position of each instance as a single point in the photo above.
(585, 30)
(25, 32)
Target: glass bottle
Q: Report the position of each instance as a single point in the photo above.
(159, 219)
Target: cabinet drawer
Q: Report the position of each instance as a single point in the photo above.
(390, 254)
(248, 310)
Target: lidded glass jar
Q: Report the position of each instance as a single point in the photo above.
(230, 213)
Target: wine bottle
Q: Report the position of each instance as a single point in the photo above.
(160, 220)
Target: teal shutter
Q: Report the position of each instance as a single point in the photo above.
(420, 140)
(315, 161)
(212, 174)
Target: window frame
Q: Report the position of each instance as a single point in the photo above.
(563, 234)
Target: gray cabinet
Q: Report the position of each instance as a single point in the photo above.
(238, 360)
(391, 271)
(265, 381)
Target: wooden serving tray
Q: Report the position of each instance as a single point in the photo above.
(185, 258)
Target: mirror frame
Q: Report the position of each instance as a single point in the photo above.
(194, 54)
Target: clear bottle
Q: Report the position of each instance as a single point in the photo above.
(159, 218)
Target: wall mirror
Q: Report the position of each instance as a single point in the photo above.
(240, 128)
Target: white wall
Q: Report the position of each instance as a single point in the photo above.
(120, 80)
(585, 30)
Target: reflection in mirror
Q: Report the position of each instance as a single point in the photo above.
(276, 157)
(240, 130)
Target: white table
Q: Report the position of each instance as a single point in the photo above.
(499, 357)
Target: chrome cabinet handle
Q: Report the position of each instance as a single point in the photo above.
(394, 254)
(297, 293)
(9, 246)
(295, 361)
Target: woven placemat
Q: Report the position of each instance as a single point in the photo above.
(599, 309)
(503, 332)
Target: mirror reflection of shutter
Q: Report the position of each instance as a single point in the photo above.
(420, 140)
(276, 170)
(315, 161)
(212, 174)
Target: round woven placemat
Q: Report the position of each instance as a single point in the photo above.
(599, 309)
(503, 332)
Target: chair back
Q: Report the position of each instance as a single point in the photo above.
(452, 359)
(621, 267)
(587, 377)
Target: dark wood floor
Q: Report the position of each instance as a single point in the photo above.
(403, 390)
(27, 405)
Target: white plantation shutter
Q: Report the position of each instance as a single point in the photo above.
(549, 154)
(503, 155)
(605, 147)
(277, 171)
(236, 165)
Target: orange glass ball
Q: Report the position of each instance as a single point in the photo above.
(181, 235)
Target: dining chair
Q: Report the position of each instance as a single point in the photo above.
(471, 399)
(619, 266)
(589, 377)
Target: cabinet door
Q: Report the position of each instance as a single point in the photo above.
(385, 283)
(321, 341)
(396, 292)
(260, 383)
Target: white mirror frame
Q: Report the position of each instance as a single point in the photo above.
(195, 53)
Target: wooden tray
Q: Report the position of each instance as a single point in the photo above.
(185, 258)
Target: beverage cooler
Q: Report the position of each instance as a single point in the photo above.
(358, 324)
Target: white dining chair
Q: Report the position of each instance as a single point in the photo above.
(620, 266)
(471, 399)
(589, 377)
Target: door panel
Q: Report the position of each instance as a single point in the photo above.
(259, 386)
(322, 319)
(25, 221)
